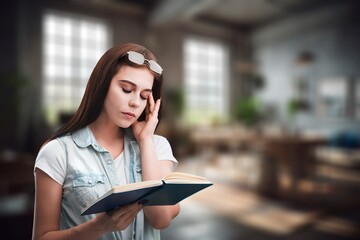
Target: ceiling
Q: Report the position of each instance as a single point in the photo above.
(236, 14)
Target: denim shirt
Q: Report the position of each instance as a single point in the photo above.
(90, 173)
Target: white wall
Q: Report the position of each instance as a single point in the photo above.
(332, 35)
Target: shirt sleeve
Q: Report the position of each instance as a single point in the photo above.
(52, 160)
(164, 150)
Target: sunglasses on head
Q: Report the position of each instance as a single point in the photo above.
(138, 58)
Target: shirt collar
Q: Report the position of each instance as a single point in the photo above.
(84, 137)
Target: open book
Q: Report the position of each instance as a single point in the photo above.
(170, 190)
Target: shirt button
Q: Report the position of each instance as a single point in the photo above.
(90, 181)
(109, 161)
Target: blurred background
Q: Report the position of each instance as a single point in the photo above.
(262, 97)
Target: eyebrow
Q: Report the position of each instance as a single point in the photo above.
(133, 84)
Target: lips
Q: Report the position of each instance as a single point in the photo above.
(129, 114)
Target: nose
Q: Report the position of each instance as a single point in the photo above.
(134, 102)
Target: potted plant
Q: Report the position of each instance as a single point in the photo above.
(247, 111)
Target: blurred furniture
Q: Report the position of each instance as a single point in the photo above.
(212, 143)
(338, 157)
(338, 167)
(287, 160)
(228, 137)
(342, 150)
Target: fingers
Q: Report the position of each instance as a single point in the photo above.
(157, 106)
(122, 217)
(128, 210)
(151, 102)
(143, 129)
(156, 110)
(153, 107)
(129, 216)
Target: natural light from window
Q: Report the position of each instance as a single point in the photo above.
(71, 47)
(206, 82)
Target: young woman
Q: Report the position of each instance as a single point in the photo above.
(109, 141)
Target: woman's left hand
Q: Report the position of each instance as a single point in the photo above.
(145, 129)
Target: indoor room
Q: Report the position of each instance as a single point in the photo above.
(261, 97)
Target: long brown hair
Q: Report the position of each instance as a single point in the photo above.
(98, 85)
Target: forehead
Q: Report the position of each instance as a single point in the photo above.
(142, 76)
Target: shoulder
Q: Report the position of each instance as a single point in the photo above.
(162, 145)
(158, 139)
(51, 146)
(51, 159)
(56, 144)
(52, 150)
(163, 149)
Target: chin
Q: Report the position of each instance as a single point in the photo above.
(125, 124)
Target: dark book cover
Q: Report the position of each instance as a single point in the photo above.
(169, 191)
(118, 199)
(172, 193)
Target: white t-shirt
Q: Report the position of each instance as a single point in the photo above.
(122, 173)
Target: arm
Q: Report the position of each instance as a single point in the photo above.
(158, 216)
(48, 194)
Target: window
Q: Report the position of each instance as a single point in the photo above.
(206, 75)
(71, 47)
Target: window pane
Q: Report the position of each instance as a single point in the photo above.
(71, 48)
(205, 80)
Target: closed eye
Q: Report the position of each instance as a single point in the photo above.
(126, 90)
(145, 94)
(142, 96)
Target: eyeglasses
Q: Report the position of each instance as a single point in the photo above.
(138, 58)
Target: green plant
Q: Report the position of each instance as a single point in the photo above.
(295, 105)
(176, 99)
(247, 111)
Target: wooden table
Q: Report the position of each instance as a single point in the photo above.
(290, 158)
(284, 156)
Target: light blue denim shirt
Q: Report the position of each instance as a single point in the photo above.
(90, 172)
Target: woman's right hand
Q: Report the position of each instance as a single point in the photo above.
(118, 219)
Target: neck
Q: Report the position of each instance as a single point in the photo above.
(104, 128)
(108, 135)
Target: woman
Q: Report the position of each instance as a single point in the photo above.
(109, 141)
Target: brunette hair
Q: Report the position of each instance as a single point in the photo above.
(99, 82)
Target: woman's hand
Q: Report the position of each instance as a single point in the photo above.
(118, 219)
(145, 129)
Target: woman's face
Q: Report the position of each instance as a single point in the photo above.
(128, 95)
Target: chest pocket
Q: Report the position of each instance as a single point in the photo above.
(88, 187)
